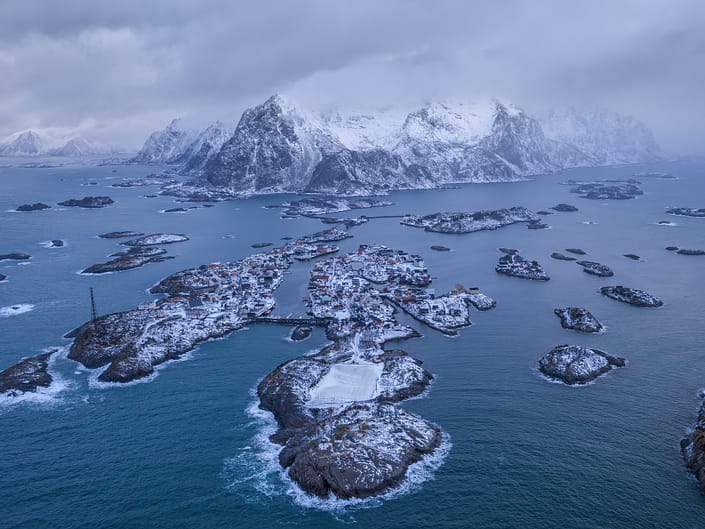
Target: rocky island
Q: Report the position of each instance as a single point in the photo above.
(576, 251)
(27, 375)
(301, 332)
(515, 265)
(2, 278)
(572, 364)
(596, 269)
(33, 207)
(640, 298)
(129, 259)
(688, 212)
(88, 202)
(686, 251)
(120, 234)
(315, 206)
(460, 222)
(14, 256)
(566, 208)
(579, 319)
(608, 191)
(156, 238)
(562, 257)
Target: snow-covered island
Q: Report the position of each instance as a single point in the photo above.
(608, 190)
(156, 238)
(633, 296)
(515, 265)
(579, 319)
(573, 364)
(315, 207)
(468, 222)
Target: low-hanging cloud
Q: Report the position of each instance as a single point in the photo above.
(114, 71)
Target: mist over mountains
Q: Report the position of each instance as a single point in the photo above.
(279, 146)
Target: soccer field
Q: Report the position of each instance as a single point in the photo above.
(346, 383)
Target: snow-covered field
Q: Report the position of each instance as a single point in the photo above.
(346, 383)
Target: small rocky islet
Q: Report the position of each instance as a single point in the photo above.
(38, 206)
(687, 212)
(576, 365)
(129, 259)
(120, 234)
(579, 319)
(562, 257)
(596, 269)
(301, 332)
(515, 265)
(15, 256)
(88, 202)
(633, 296)
(28, 375)
(565, 208)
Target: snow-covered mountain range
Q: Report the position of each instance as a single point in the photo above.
(280, 147)
(31, 143)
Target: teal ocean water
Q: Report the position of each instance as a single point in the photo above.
(188, 448)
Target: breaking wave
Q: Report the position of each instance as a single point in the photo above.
(14, 310)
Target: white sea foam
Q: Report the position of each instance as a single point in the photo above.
(14, 310)
(255, 471)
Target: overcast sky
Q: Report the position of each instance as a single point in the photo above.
(115, 70)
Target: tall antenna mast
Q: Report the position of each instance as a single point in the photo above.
(94, 314)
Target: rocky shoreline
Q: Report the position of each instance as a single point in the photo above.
(693, 449)
(28, 375)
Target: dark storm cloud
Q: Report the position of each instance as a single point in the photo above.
(116, 70)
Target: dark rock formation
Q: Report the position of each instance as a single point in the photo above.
(440, 248)
(27, 375)
(671, 248)
(14, 256)
(261, 244)
(88, 202)
(573, 364)
(685, 251)
(596, 269)
(693, 449)
(564, 208)
(576, 251)
(688, 212)
(56, 243)
(579, 319)
(604, 191)
(33, 207)
(632, 256)
(562, 257)
(640, 298)
(120, 234)
(515, 265)
(301, 332)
